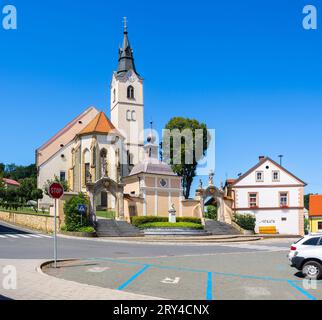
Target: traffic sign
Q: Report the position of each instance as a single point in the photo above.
(56, 190)
(81, 208)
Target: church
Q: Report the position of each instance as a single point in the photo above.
(108, 159)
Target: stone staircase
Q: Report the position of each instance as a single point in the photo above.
(114, 228)
(220, 228)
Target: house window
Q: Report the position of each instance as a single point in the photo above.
(130, 92)
(276, 176)
(62, 176)
(259, 176)
(283, 199)
(253, 200)
(320, 225)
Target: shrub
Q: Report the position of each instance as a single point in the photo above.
(138, 221)
(245, 221)
(171, 225)
(189, 219)
(72, 216)
(211, 212)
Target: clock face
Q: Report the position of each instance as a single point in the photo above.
(130, 77)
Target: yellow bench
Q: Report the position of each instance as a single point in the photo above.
(268, 230)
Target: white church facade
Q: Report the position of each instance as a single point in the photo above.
(93, 147)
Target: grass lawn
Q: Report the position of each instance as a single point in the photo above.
(189, 225)
(106, 214)
(24, 210)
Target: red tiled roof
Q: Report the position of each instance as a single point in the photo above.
(315, 205)
(100, 124)
(11, 182)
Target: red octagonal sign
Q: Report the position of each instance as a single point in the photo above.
(56, 190)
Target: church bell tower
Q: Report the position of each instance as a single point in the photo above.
(127, 103)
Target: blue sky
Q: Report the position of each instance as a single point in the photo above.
(246, 68)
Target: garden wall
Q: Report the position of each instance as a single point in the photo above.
(33, 221)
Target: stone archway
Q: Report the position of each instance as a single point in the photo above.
(109, 185)
(224, 210)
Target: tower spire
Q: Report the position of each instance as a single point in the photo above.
(126, 59)
(125, 24)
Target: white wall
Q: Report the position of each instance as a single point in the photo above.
(265, 218)
(52, 167)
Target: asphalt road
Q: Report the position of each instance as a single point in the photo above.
(256, 270)
(19, 247)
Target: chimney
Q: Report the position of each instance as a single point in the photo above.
(261, 158)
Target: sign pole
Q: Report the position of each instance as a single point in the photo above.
(55, 235)
(55, 191)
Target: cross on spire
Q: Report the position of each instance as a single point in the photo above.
(125, 24)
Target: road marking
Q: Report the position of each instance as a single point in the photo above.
(298, 288)
(98, 269)
(11, 236)
(25, 236)
(209, 287)
(176, 280)
(35, 235)
(126, 283)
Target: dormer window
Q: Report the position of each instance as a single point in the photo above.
(259, 176)
(276, 176)
(130, 92)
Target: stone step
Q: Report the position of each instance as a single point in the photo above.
(114, 228)
(220, 228)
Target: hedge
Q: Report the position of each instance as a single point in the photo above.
(137, 221)
(189, 225)
(246, 221)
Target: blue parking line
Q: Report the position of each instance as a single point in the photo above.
(267, 278)
(126, 283)
(209, 287)
(308, 295)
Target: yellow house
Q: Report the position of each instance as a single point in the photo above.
(315, 213)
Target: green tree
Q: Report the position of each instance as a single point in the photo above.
(185, 168)
(72, 216)
(307, 201)
(12, 171)
(27, 186)
(2, 169)
(211, 212)
(2, 189)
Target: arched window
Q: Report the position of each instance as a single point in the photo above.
(114, 95)
(130, 92)
(133, 116)
(128, 115)
(94, 157)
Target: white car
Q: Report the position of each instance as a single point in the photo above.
(306, 255)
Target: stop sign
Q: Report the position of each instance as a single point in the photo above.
(56, 190)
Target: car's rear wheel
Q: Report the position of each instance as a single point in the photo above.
(312, 270)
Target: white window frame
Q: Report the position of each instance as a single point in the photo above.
(278, 175)
(262, 175)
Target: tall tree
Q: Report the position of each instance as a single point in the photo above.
(186, 146)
